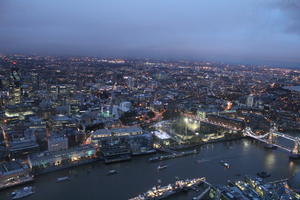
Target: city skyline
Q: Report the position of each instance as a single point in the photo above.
(258, 32)
(150, 99)
(98, 124)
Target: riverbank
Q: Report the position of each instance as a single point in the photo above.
(91, 182)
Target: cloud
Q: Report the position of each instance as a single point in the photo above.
(291, 10)
(221, 29)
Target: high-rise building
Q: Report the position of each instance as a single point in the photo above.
(131, 83)
(250, 100)
(15, 86)
(35, 80)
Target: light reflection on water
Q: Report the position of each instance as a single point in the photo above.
(294, 167)
(91, 181)
(246, 145)
(270, 160)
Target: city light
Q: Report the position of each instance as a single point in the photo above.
(62, 112)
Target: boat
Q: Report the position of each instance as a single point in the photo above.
(64, 178)
(162, 192)
(172, 155)
(263, 174)
(21, 193)
(153, 159)
(225, 164)
(111, 172)
(160, 167)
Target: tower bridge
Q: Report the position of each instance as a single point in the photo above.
(269, 138)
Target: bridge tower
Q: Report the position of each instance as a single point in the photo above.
(272, 133)
(274, 128)
(271, 138)
(296, 148)
(246, 131)
(295, 154)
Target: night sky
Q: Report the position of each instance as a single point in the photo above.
(257, 31)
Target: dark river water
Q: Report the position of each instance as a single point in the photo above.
(91, 182)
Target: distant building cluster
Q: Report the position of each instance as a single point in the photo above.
(58, 112)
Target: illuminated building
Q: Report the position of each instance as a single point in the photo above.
(130, 131)
(57, 143)
(131, 83)
(15, 86)
(100, 134)
(20, 111)
(62, 121)
(250, 100)
(117, 144)
(115, 149)
(13, 173)
(162, 138)
(115, 132)
(226, 121)
(37, 123)
(49, 161)
(23, 146)
(125, 106)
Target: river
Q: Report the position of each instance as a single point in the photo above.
(91, 182)
(294, 88)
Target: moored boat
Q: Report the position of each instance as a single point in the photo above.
(64, 178)
(21, 193)
(111, 172)
(225, 164)
(158, 192)
(160, 167)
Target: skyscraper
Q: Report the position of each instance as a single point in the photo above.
(131, 83)
(15, 89)
(250, 100)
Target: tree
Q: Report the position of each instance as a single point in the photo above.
(151, 114)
